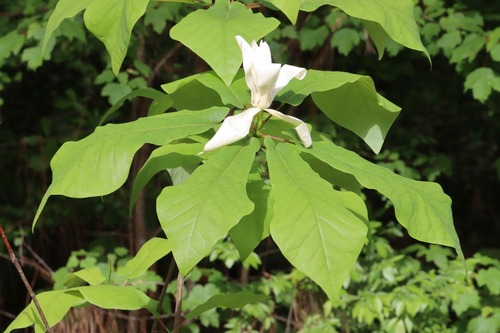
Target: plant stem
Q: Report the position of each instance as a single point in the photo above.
(178, 303)
(25, 281)
(154, 329)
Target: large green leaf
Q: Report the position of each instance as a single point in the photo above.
(211, 34)
(394, 17)
(289, 7)
(196, 214)
(232, 301)
(163, 158)
(111, 21)
(99, 164)
(321, 231)
(64, 9)
(55, 305)
(421, 207)
(149, 253)
(348, 99)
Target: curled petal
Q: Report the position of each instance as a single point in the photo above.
(233, 128)
(300, 126)
(286, 74)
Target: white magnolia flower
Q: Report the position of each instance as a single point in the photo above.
(265, 80)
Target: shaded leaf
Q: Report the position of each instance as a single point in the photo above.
(253, 228)
(348, 99)
(196, 214)
(163, 158)
(232, 301)
(91, 275)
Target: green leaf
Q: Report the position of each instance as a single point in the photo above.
(395, 17)
(196, 214)
(64, 9)
(90, 275)
(253, 228)
(11, 43)
(163, 158)
(114, 297)
(421, 207)
(289, 7)
(99, 164)
(155, 95)
(348, 99)
(468, 49)
(345, 40)
(232, 301)
(482, 81)
(235, 94)
(321, 231)
(490, 278)
(111, 22)
(149, 253)
(55, 305)
(214, 40)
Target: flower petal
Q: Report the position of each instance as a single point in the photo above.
(300, 126)
(233, 128)
(287, 73)
(264, 77)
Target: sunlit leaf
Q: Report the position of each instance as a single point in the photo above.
(55, 305)
(394, 17)
(111, 21)
(321, 231)
(115, 297)
(421, 207)
(99, 164)
(214, 39)
(289, 7)
(196, 214)
(64, 9)
(149, 253)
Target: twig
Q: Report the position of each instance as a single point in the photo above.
(25, 281)
(154, 329)
(178, 303)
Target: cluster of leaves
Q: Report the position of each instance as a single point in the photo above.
(308, 200)
(416, 289)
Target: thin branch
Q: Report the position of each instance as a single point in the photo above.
(25, 281)
(170, 272)
(178, 303)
